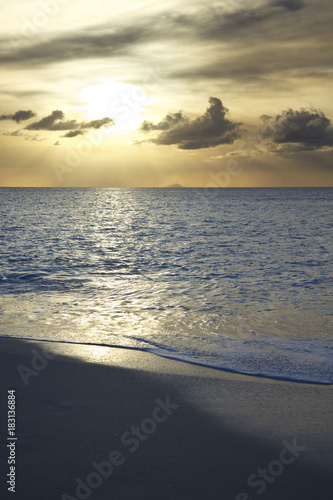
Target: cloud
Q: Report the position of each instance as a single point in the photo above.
(34, 138)
(252, 32)
(55, 121)
(16, 133)
(73, 133)
(95, 41)
(295, 131)
(215, 21)
(19, 116)
(170, 120)
(290, 4)
(97, 123)
(207, 131)
(245, 20)
(47, 122)
(223, 40)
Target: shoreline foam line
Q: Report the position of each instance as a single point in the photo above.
(175, 358)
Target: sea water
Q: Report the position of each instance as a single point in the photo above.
(235, 279)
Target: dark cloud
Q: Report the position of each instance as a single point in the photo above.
(255, 66)
(295, 131)
(264, 39)
(55, 121)
(207, 131)
(16, 133)
(257, 43)
(290, 4)
(19, 116)
(97, 123)
(105, 41)
(97, 41)
(169, 121)
(73, 133)
(246, 20)
(46, 123)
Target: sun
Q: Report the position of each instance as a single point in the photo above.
(121, 101)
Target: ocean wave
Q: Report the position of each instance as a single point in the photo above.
(258, 366)
(18, 283)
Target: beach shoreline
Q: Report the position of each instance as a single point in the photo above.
(161, 429)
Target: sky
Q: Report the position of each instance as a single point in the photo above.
(232, 93)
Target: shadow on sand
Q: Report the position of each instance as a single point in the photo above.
(75, 413)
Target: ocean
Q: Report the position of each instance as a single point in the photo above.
(233, 279)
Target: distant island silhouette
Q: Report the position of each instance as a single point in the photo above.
(175, 186)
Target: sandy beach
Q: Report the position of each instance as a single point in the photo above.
(116, 424)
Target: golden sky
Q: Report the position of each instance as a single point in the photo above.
(222, 94)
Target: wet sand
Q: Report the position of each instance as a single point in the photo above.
(116, 424)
